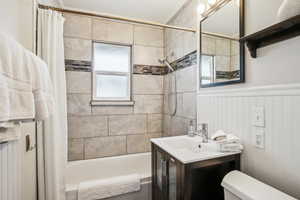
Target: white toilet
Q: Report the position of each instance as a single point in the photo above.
(239, 186)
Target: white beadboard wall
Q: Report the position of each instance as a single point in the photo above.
(231, 110)
(10, 172)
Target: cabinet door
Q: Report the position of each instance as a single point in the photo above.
(172, 179)
(160, 176)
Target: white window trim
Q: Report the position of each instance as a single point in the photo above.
(112, 100)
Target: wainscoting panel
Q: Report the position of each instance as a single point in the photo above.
(278, 164)
(10, 177)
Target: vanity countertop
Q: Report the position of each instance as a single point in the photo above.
(190, 149)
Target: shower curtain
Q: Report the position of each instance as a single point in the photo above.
(53, 151)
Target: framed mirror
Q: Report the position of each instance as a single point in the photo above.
(222, 55)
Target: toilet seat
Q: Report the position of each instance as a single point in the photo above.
(248, 188)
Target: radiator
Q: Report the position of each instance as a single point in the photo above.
(10, 171)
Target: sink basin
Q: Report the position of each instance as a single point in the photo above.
(189, 149)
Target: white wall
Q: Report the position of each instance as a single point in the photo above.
(17, 20)
(278, 163)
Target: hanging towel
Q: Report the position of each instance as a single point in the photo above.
(11, 133)
(100, 189)
(25, 84)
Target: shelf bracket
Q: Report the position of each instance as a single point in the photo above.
(252, 49)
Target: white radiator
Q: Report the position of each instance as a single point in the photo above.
(10, 171)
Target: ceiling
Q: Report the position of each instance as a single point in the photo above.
(151, 10)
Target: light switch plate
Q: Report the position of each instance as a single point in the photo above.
(259, 138)
(258, 114)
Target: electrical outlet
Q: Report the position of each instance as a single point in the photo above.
(259, 138)
(258, 115)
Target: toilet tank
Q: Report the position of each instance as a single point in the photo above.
(239, 186)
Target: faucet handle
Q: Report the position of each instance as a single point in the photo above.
(204, 126)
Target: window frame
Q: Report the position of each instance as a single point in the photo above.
(213, 68)
(111, 100)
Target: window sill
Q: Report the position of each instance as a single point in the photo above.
(112, 103)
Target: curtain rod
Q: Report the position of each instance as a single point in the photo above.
(220, 36)
(115, 18)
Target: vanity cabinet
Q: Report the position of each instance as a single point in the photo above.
(174, 180)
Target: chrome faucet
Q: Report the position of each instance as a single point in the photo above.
(204, 132)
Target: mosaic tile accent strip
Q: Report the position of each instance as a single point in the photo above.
(78, 65)
(228, 75)
(151, 70)
(186, 61)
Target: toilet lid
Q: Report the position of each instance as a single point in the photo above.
(248, 188)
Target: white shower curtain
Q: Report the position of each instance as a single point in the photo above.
(54, 149)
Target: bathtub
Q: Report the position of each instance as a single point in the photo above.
(103, 168)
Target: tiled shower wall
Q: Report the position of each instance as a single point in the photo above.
(102, 131)
(178, 44)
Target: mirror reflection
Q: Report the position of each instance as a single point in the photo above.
(220, 47)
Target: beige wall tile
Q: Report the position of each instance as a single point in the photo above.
(222, 63)
(112, 110)
(136, 143)
(186, 79)
(120, 32)
(87, 126)
(79, 104)
(78, 49)
(154, 123)
(223, 47)
(78, 26)
(111, 31)
(149, 137)
(105, 146)
(127, 124)
(75, 149)
(79, 82)
(208, 45)
(148, 103)
(147, 84)
(148, 36)
(179, 126)
(100, 30)
(144, 55)
(166, 125)
(189, 105)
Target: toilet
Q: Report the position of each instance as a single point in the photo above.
(239, 186)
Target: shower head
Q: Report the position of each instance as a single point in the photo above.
(165, 62)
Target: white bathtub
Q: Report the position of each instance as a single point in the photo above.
(103, 168)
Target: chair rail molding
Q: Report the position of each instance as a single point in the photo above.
(268, 90)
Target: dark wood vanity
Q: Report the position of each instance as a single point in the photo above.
(174, 180)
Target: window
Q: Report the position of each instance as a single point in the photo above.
(208, 69)
(111, 72)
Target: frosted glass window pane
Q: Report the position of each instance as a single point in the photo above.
(207, 66)
(111, 86)
(109, 57)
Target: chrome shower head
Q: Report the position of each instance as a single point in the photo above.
(165, 62)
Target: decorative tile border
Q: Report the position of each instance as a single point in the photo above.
(186, 61)
(227, 74)
(78, 65)
(150, 70)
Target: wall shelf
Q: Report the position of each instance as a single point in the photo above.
(276, 33)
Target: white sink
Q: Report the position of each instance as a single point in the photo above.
(189, 149)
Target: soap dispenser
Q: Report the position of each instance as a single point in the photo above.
(191, 129)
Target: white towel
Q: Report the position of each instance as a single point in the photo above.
(25, 86)
(100, 189)
(221, 137)
(233, 147)
(11, 133)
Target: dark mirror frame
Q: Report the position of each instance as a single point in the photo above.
(242, 51)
